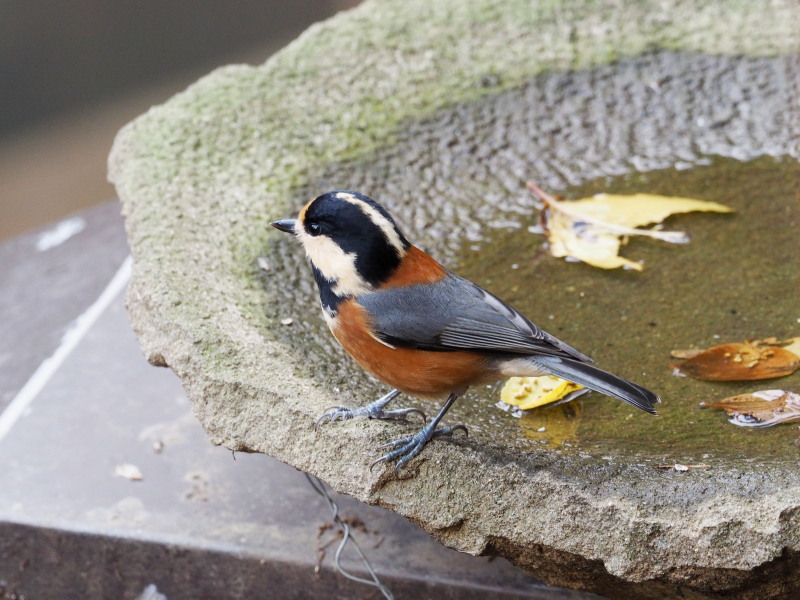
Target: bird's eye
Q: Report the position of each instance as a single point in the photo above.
(314, 229)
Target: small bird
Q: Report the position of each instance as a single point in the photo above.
(419, 328)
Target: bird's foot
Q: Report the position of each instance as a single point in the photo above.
(408, 447)
(373, 410)
(333, 413)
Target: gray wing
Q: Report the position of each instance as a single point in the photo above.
(456, 314)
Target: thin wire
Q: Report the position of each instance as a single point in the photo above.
(320, 489)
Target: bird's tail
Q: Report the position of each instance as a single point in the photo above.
(600, 381)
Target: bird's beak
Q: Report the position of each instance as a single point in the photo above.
(286, 225)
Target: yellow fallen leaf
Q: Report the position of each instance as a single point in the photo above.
(637, 210)
(760, 409)
(593, 229)
(530, 392)
(590, 245)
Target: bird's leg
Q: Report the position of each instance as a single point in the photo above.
(373, 410)
(409, 447)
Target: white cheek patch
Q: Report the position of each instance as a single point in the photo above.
(335, 264)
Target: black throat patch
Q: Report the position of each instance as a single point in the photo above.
(329, 300)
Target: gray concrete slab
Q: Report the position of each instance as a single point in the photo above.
(45, 285)
(201, 523)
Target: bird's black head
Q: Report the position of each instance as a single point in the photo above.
(352, 241)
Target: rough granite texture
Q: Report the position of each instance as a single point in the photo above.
(201, 176)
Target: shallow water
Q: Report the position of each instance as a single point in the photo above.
(737, 279)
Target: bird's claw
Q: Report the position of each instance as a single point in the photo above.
(409, 447)
(333, 413)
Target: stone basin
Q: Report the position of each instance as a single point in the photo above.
(442, 111)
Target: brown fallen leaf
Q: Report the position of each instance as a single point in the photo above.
(748, 361)
(760, 409)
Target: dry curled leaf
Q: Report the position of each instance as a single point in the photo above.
(593, 229)
(748, 361)
(760, 409)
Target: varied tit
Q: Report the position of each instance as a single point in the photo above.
(420, 328)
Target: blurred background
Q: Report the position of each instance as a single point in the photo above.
(72, 74)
